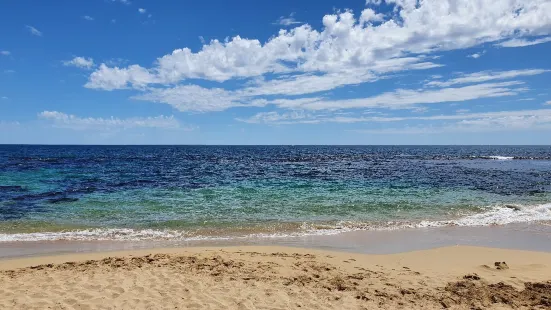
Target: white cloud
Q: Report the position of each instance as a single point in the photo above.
(345, 42)
(9, 71)
(80, 62)
(142, 10)
(287, 20)
(476, 55)
(548, 102)
(485, 76)
(89, 18)
(196, 98)
(193, 98)
(368, 15)
(5, 53)
(4, 98)
(127, 2)
(348, 50)
(33, 30)
(462, 121)
(63, 120)
(292, 117)
(523, 42)
(114, 78)
(408, 98)
(505, 121)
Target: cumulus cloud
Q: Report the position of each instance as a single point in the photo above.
(142, 10)
(89, 18)
(63, 120)
(368, 15)
(485, 76)
(287, 20)
(33, 30)
(296, 67)
(118, 78)
(5, 53)
(347, 42)
(80, 62)
(523, 42)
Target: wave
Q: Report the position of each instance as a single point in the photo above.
(494, 215)
(498, 157)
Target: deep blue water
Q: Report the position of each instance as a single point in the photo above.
(148, 192)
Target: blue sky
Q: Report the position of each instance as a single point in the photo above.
(275, 72)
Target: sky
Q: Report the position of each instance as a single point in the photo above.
(275, 72)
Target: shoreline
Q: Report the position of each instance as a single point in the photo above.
(523, 236)
(251, 277)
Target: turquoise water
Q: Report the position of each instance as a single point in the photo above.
(186, 192)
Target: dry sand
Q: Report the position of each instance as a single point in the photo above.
(279, 278)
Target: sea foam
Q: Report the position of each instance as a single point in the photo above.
(492, 215)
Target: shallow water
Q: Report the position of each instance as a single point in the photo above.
(191, 193)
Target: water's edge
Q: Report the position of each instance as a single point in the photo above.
(518, 236)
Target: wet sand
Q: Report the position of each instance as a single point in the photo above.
(527, 236)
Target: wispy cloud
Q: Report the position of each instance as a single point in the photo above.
(506, 121)
(523, 42)
(142, 10)
(8, 71)
(87, 17)
(80, 62)
(287, 20)
(4, 98)
(5, 53)
(116, 61)
(62, 120)
(300, 70)
(4, 125)
(485, 76)
(548, 102)
(461, 122)
(33, 30)
(127, 2)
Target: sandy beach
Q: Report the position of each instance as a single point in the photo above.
(458, 277)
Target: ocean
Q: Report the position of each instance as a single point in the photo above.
(135, 193)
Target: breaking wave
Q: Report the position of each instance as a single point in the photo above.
(493, 215)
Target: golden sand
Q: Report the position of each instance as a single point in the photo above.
(279, 278)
